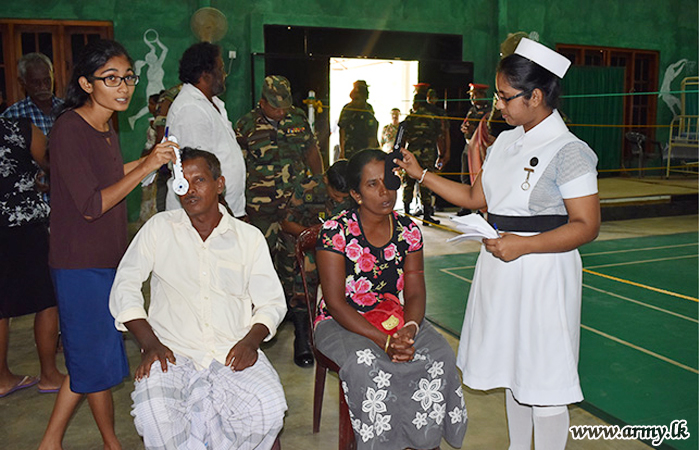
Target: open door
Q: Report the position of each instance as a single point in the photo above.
(302, 54)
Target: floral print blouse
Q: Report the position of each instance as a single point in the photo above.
(20, 202)
(371, 272)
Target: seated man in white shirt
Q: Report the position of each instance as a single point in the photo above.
(203, 382)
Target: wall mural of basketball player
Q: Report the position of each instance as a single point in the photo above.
(672, 71)
(154, 71)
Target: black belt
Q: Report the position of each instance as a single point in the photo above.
(529, 224)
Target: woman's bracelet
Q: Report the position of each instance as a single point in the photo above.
(412, 322)
(422, 177)
(386, 346)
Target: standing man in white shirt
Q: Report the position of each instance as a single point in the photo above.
(203, 380)
(198, 119)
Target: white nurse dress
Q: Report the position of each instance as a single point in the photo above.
(521, 326)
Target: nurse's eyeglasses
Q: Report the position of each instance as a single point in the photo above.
(497, 97)
(116, 81)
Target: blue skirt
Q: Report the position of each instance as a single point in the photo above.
(93, 347)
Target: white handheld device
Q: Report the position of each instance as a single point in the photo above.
(180, 185)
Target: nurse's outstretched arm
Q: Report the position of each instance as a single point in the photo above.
(465, 196)
(583, 227)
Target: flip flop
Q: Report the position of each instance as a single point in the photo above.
(25, 382)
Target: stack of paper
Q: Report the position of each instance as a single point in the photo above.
(473, 227)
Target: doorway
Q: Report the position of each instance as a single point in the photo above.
(304, 54)
(390, 85)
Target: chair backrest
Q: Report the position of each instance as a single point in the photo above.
(306, 242)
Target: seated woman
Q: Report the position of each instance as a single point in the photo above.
(401, 384)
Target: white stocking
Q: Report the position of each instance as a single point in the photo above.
(519, 423)
(551, 427)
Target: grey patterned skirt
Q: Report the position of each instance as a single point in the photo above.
(398, 405)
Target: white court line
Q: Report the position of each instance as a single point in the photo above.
(641, 349)
(447, 271)
(671, 258)
(612, 252)
(646, 305)
(605, 335)
(459, 267)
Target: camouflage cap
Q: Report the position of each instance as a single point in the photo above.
(277, 91)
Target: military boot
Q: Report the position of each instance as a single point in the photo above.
(303, 356)
(428, 218)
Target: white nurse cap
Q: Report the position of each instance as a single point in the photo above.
(543, 56)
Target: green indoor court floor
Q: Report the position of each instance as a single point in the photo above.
(639, 328)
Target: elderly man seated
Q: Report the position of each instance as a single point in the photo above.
(203, 382)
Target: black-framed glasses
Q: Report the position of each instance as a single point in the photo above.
(497, 97)
(116, 81)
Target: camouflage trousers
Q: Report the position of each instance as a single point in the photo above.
(288, 271)
(426, 157)
(277, 243)
(270, 227)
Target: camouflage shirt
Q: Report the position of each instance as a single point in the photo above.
(274, 157)
(389, 135)
(311, 204)
(164, 101)
(422, 129)
(360, 128)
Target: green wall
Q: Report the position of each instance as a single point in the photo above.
(669, 26)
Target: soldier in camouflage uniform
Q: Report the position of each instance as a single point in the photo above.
(279, 148)
(443, 143)
(480, 108)
(422, 133)
(315, 200)
(389, 131)
(358, 126)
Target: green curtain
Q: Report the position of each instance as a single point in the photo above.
(584, 113)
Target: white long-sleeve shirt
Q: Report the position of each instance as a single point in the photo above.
(205, 295)
(196, 123)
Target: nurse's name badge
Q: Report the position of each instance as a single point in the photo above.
(526, 184)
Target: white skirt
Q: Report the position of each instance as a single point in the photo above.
(522, 326)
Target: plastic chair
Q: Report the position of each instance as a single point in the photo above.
(306, 242)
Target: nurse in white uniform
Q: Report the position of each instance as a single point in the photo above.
(539, 184)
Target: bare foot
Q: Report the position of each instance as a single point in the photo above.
(47, 446)
(113, 446)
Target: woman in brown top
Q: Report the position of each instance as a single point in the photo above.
(88, 231)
